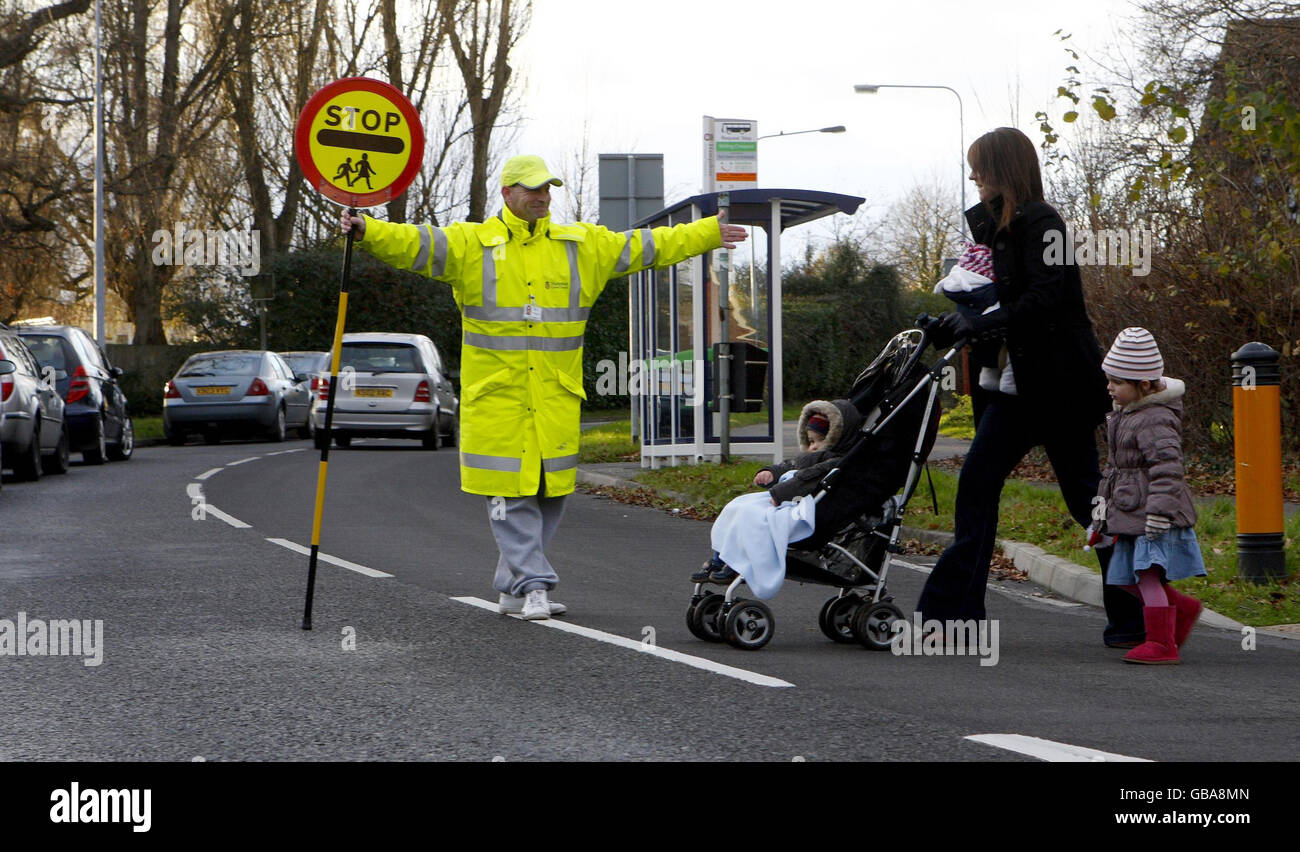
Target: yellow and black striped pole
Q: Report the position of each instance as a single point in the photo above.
(329, 425)
(1257, 445)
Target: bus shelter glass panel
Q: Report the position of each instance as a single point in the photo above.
(750, 323)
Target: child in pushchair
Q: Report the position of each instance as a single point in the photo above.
(839, 515)
(826, 431)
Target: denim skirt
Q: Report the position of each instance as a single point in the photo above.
(1177, 551)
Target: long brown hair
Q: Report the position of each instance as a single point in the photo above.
(1006, 160)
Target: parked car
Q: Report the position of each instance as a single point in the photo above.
(6, 367)
(314, 364)
(391, 386)
(97, 412)
(34, 437)
(235, 392)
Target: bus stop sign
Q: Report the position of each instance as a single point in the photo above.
(359, 142)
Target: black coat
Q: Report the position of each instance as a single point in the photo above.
(1050, 338)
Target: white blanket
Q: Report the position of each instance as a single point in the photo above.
(751, 536)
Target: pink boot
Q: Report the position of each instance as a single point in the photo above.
(1188, 609)
(1160, 648)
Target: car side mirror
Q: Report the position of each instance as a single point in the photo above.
(299, 378)
(6, 367)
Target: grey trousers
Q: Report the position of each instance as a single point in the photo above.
(523, 526)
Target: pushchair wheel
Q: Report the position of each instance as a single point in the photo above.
(836, 618)
(749, 625)
(873, 625)
(702, 617)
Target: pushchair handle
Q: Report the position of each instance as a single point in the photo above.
(925, 324)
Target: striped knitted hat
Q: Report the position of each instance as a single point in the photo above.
(1134, 356)
(977, 258)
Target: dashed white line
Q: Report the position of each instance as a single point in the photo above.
(1052, 751)
(195, 492)
(652, 650)
(333, 560)
(243, 461)
(209, 509)
(208, 473)
(286, 452)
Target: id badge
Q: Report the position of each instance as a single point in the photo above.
(532, 312)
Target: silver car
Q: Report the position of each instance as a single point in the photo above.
(391, 386)
(236, 392)
(34, 437)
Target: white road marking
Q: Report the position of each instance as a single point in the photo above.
(325, 557)
(926, 569)
(286, 452)
(208, 473)
(635, 645)
(1051, 751)
(209, 509)
(243, 461)
(195, 492)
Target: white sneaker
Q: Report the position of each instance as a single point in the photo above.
(511, 605)
(537, 605)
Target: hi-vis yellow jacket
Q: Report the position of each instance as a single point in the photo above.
(524, 300)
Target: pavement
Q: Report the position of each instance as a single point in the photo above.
(1062, 576)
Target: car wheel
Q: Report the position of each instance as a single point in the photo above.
(28, 466)
(277, 429)
(96, 452)
(307, 429)
(343, 441)
(122, 450)
(432, 439)
(57, 461)
(452, 438)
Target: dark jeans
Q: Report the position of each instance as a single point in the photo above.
(1008, 429)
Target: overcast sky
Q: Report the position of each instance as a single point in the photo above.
(641, 76)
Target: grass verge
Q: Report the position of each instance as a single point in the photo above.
(147, 427)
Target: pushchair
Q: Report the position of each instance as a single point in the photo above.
(857, 529)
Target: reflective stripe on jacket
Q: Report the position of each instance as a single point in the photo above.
(524, 300)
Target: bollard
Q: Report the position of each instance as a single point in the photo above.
(1257, 446)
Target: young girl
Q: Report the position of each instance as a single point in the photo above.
(1147, 503)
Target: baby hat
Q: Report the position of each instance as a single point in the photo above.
(819, 423)
(974, 269)
(1134, 356)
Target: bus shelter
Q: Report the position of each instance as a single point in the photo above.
(675, 320)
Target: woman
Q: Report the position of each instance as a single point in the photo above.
(1060, 390)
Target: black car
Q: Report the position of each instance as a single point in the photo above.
(97, 412)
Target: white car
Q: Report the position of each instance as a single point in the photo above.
(390, 386)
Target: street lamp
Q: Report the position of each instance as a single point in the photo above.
(872, 88)
(839, 128)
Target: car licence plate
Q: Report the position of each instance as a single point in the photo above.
(374, 393)
(214, 390)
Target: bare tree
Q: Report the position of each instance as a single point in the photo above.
(920, 230)
(481, 34)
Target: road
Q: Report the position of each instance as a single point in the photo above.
(203, 656)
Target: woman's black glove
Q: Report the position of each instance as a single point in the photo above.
(958, 326)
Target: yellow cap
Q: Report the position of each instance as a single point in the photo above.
(529, 171)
